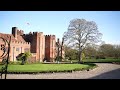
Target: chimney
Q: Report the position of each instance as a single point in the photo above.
(14, 31)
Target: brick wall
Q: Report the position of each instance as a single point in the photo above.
(50, 44)
(42, 46)
(16, 48)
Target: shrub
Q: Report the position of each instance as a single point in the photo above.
(100, 57)
(66, 58)
(58, 58)
(23, 57)
(83, 56)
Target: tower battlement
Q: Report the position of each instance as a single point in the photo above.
(16, 31)
(33, 33)
(49, 36)
(20, 32)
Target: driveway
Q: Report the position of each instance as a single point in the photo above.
(103, 71)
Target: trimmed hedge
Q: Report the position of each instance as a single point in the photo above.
(91, 66)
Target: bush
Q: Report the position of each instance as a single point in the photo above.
(83, 56)
(60, 58)
(97, 57)
(19, 57)
(100, 57)
(23, 57)
(66, 58)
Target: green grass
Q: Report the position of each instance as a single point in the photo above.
(58, 67)
(49, 67)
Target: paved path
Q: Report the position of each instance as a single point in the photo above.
(103, 71)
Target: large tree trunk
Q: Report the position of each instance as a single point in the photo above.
(61, 52)
(79, 54)
(62, 49)
(58, 55)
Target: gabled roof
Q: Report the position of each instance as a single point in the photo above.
(7, 37)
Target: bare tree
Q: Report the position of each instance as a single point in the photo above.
(80, 33)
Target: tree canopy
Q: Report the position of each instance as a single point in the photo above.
(81, 33)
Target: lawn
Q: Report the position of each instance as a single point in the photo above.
(49, 67)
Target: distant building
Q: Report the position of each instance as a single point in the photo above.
(42, 47)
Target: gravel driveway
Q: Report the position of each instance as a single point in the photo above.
(103, 71)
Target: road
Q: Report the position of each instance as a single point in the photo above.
(103, 71)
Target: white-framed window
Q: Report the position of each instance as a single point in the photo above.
(17, 49)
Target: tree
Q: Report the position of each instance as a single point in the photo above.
(70, 53)
(90, 51)
(81, 33)
(116, 51)
(107, 50)
(23, 57)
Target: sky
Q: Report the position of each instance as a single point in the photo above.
(57, 22)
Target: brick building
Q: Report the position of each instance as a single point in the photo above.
(42, 47)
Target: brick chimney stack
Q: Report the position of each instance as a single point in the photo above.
(14, 31)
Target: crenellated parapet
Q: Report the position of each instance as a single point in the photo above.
(50, 36)
(37, 33)
(20, 32)
(33, 34)
(21, 43)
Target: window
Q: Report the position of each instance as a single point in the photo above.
(2, 47)
(17, 49)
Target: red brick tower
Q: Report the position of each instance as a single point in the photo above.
(37, 48)
(50, 47)
(38, 45)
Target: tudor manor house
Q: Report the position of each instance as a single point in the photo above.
(42, 47)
